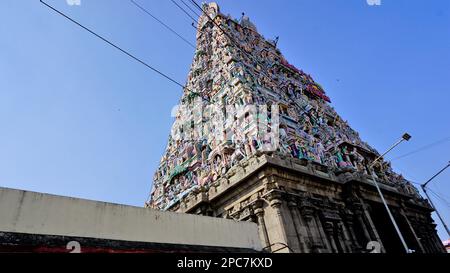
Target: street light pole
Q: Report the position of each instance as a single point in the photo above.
(404, 137)
(424, 185)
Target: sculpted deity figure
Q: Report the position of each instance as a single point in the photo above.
(283, 147)
(340, 158)
(201, 178)
(267, 142)
(290, 90)
(320, 152)
(303, 150)
(358, 161)
(194, 178)
(238, 149)
(248, 99)
(217, 163)
(247, 146)
(378, 170)
(255, 144)
(307, 126)
(189, 150)
(181, 181)
(292, 113)
(313, 153)
(205, 152)
(283, 134)
(346, 154)
(294, 148)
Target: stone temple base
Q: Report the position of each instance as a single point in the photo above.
(304, 207)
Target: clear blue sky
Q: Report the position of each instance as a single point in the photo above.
(78, 118)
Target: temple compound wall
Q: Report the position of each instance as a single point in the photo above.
(38, 222)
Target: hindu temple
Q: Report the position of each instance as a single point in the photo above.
(256, 139)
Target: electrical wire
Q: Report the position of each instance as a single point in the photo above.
(187, 13)
(441, 194)
(422, 148)
(439, 197)
(189, 7)
(112, 44)
(162, 23)
(415, 183)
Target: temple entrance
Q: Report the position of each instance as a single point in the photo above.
(385, 228)
(387, 232)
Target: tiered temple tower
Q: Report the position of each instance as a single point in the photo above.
(255, 139)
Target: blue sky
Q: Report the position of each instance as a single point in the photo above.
(78, 118)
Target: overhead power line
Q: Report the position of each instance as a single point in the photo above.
(423, 148)
(415, 183)
(112, 44)
(187, 13)
(189, 7)
(162, 23)
(444, 200)
(424, 188)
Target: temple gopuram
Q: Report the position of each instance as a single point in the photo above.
(256, 139)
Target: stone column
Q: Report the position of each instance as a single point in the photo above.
(351, 231)
(359, 217)
(321, 230)
(275, 201)
(316, 227)
(434, 237)
(423, 236)
(309, 243)
(373, 229)
(346, 241)
(259, 212)
(329, 230)
(307, 213)
(299, 226)
(403, 214)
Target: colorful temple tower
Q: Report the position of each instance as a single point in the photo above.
(255, 139)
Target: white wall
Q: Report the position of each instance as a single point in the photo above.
(38, 213)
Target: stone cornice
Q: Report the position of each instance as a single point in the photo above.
(245, 170)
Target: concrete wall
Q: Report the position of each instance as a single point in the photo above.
(38, 213)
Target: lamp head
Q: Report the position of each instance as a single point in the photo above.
(406, 136)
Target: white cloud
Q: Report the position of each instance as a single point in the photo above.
(73, 2)
(373, 2)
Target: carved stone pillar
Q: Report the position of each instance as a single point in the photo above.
(299, 226)
(359, 217)
(276, 201)
(348, 219)
(259, 212)
(344, 236)
(421, 230)
(329, 230)
(439, 247)
(319, 239)
(305, 219)
(373, 229)
(321, 230)
(403, 214)
(307, 213)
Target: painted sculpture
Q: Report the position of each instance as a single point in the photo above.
(235, 68)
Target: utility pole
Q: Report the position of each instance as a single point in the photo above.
(424, 185)
(406, 137)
